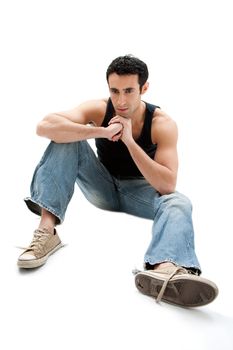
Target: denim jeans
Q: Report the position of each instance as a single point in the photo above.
(63, 165)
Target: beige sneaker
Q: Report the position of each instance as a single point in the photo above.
(177, 286)
(43, 244)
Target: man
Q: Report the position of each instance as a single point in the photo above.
(135, 172)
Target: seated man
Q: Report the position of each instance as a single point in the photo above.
(135, 172)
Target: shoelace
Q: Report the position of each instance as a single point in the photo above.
(162, 290)
(38, 241)
(164, 286)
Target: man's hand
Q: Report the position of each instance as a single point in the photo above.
(126, 133)
(114, 131)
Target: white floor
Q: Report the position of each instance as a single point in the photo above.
(84, 297)
(53, 56)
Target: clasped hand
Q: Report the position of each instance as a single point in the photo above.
(124, 130)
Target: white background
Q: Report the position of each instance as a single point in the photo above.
(54, 55)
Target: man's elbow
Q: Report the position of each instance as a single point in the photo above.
(39, 129)
(42, 127)
(168, 188)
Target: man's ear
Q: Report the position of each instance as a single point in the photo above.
(145, 87)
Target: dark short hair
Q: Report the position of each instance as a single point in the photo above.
(128, 64)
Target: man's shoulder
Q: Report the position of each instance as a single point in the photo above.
(158, 113)
(93, 110)
(160, 117)
(162, 124)
(98, 105)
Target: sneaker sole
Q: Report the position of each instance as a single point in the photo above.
(182, 290)
(30, 264)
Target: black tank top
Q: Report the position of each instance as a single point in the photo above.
(115, 155)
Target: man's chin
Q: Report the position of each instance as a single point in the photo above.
(124, 114)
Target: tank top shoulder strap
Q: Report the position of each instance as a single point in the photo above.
(110, 112)
(145, 136)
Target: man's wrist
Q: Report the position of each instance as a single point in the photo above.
(101, 132)
(129, 142)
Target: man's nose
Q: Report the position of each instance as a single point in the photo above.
(121, 99)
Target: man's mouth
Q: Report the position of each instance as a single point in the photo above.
(122, 110)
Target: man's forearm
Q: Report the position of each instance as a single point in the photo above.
(63, 130)
(159, 176)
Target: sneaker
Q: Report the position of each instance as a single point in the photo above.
(176, 285)
(42, 246)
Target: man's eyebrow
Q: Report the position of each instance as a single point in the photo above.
(128, 88)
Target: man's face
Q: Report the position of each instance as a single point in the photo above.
(125, 93)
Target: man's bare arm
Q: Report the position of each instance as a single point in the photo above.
(74, 125)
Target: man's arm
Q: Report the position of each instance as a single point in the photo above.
(74, 125)
(160, 172)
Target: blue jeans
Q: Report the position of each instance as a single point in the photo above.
(63, 165)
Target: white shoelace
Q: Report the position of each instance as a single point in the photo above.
(165, 283)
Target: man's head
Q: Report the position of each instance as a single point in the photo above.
(129, 65)
(127, 81)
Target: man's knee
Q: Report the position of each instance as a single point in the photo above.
(177, 200)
